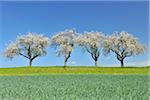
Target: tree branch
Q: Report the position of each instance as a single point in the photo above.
(93, 56)
(116, 53)
(67, 57)
(29, 52)
(24, 55)
(87, 50)
(35, 56)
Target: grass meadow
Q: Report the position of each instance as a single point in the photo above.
(74, 83)
(74, 87)
(38, 70)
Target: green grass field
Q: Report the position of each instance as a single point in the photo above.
(74, 83)
(74, 70)
(75, 87)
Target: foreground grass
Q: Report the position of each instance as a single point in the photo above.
(73, 70)
(75, 87)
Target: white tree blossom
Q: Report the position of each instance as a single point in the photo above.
(64, 43)
(30, 46)
(92, 43)
(123, 45)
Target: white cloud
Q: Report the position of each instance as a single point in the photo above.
(133, 63)
(149, 63)
(107, 57)
(73, 62)
(140, 63)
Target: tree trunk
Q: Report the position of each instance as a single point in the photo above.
(122, 63)
(96, 63)
(65, 64)
(30, 63)
(66, 59)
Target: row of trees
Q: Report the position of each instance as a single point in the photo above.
(33, 45)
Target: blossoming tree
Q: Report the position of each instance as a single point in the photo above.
(30, 46)
(64, 43)
(92, 43)
(123, 45)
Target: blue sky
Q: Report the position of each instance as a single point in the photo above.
(49, 18)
